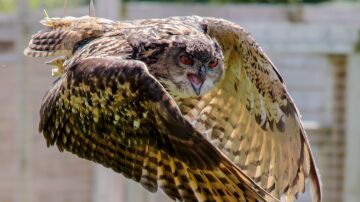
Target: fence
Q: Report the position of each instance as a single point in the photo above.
(314, 46)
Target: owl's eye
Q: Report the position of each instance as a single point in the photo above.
(213, 63)
(186, 59)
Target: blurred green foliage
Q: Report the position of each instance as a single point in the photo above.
(7, 5)
(55, 3)
(238, 1)
(10, 5)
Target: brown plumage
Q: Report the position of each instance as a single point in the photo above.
(222, 128)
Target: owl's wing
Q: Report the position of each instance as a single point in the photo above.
(252, 119)
(115, 113)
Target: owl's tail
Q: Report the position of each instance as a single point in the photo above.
(63, 35)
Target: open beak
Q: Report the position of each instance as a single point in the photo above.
(198, 79)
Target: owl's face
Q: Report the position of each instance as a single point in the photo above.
(189, 67)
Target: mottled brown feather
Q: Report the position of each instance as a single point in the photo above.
(251, 117)
(115, 113)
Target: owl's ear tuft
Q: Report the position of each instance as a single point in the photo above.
(204, 27)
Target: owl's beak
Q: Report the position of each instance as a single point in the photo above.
(202, 72)
(198, 79)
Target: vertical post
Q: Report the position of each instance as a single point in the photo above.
(352, 161)
(334, 185)
(108, 186)
(111, 9)
(23, 118)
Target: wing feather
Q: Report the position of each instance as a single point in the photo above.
(113, 112)
(251, 117)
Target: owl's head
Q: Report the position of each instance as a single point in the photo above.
(187, 65)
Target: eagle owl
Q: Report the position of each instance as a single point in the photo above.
(190, 105)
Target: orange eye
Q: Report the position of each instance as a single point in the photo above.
(213, 63)
(186, 59)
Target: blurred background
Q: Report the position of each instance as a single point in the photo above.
(314, 43)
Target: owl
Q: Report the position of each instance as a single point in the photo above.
(190, 105)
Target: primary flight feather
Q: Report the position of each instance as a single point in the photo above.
(188, 104)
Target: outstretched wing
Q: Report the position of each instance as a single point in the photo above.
(252, 119)
(115, 113)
